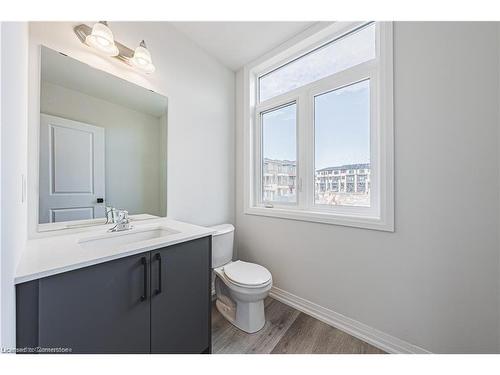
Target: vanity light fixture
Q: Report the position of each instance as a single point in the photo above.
(101, 38)
(142, 59)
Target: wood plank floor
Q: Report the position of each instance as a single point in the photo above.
(287, 331)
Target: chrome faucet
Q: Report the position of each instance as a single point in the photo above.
(122, 222)
(110, 213)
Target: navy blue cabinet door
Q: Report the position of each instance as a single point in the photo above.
(180, 298)
(98, 309)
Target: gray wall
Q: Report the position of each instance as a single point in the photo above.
(434, 282)
(132, 146)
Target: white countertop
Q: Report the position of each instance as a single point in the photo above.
(63, 252)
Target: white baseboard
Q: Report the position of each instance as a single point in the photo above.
(379, 339)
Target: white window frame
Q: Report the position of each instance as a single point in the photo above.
(380, 214)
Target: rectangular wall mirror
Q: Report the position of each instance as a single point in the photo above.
(102, 144)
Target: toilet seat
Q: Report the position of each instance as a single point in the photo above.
(245, 274)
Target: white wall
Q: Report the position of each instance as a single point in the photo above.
(434, 281)
(13, 94)
(200, 91)
(1, 122)
(132, 146)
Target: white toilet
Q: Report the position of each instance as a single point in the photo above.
(240, 286)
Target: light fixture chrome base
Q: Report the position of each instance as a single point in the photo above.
(124, 53)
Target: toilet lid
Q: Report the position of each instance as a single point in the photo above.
(247, 273)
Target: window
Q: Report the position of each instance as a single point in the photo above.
(279, 154)
(318, 129)
(342, 138)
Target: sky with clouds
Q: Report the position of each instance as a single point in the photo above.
(342, 117)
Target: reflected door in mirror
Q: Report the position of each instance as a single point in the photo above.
(71, 170)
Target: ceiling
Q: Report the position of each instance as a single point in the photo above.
(72, 74)
(235, 44)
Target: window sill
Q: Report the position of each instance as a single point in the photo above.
(373, 223)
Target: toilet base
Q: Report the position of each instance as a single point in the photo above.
(247, 316)
(242, 307)
(250, 316)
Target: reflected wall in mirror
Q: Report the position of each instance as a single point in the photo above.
(102, 143)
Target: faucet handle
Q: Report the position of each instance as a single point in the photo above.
(122, 222)
(123, 216)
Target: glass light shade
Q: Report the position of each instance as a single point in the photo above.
(142, 59)
(102, 39)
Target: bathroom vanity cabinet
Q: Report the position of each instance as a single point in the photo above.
(152, 302)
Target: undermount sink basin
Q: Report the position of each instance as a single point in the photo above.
(125, 237)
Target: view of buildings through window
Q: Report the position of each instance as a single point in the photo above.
(279, 180)
(339, 185)
(346, 185)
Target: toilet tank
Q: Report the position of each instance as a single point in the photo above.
(222, 244)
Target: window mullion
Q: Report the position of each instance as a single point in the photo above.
(304, 151)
